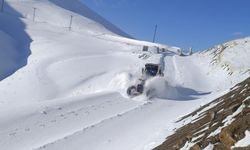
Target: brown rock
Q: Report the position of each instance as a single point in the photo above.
(221, 147)
(195, 147)
(226, 138)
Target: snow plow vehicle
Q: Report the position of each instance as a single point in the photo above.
(150, 70)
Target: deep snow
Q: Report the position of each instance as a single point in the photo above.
(71, 94)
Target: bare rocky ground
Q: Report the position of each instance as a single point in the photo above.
(220, 123)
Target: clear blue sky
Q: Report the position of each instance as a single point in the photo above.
(199, 24)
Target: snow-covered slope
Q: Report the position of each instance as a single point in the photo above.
(79, 8)
(229, 61)
(70, 92)
(58, 13)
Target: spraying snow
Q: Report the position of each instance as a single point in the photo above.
(160, 88)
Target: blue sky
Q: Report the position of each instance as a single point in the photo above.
(200, 24)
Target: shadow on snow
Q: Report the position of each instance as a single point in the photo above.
(12, 26)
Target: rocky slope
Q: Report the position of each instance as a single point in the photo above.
(217, 125)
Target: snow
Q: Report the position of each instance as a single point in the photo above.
(187, 146)
(216, 132)
(209, 147)
(230, 118)
(60, 119)
(245, 141)
(64, 89)
(8, 55)
(122, 130)
(198, 137)
(14, 43)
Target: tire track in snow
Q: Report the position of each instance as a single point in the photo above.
(93, 126)
(81, 113)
